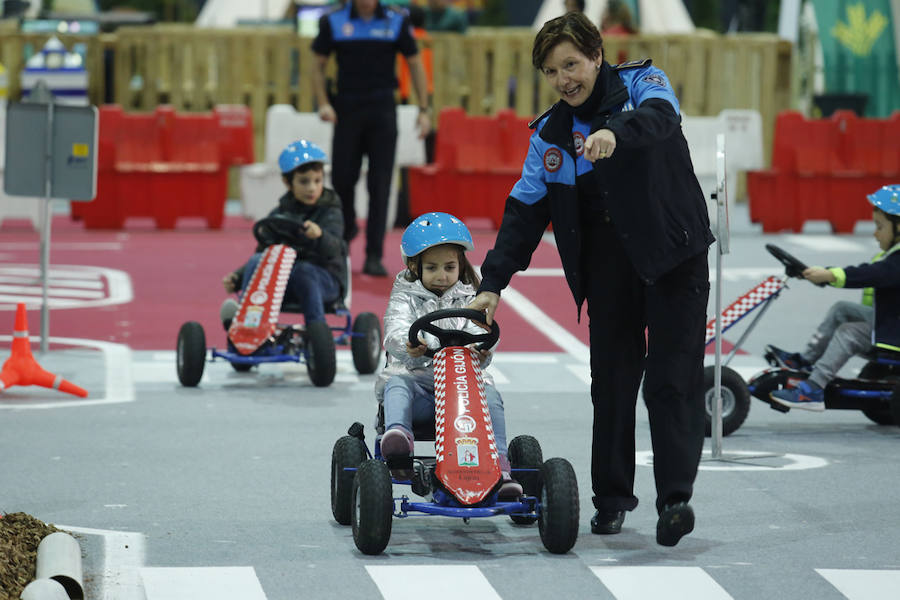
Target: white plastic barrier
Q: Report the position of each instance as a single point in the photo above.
(743, 146)
(261, 183)
(14, 207)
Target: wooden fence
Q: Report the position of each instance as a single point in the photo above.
(483, 71)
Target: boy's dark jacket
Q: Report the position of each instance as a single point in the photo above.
(328, 251)
(884, 276)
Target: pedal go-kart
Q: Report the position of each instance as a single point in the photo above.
(255, 335)
(874, 392)
(463, 478)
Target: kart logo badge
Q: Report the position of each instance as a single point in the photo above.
(467, 452)
(552, 160)
(579, 143)
(258, 297)
(464, 424)
(253, 317)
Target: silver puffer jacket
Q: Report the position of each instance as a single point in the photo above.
(409, 301)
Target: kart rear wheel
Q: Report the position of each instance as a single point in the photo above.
(241, 367)
(365, 345)
(373, 507)
(349, 452)
(735, 399)
(190, 353)
(525, 453)
(558, 523)
(321, 362)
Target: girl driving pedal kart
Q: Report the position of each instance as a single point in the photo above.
(437, 276)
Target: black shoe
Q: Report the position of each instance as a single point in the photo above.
(373, 266)
(675, 522)
(607, 521)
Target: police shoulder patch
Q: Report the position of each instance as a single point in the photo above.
(655, 79)
(633, 64)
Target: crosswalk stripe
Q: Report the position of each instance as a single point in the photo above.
(672, 583)
(201, 583)
(864, 584)
(443, 582)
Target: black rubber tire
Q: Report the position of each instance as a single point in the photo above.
(895, 405)
(525, 453)
(735, 399)
(321, 360)
(372, 507)
(558, 523)
(241, 367)
(349, 452)
(874, 370)
(366, 349)
(190, 352)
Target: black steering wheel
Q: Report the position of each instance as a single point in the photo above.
(453, 337)
(793, 267)
(277, 229)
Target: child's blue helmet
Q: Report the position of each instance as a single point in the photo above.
(434, 229)
(887, 199)
(300, 153)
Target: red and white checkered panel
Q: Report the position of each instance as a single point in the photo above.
(745, 304)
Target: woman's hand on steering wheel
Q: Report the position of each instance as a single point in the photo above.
(486, 303)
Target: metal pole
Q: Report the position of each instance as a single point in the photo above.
(722, 246)
(45, 233)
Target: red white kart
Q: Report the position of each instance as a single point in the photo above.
(463, 478)
(256, 336)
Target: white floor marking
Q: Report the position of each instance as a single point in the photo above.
(119, 384)
(503, 358)
(864, 584)
(117, 284)
(555, 332)
(123, 556)
(826, 243)
(443, 582)
(671, 583)
(497, 374)
(582, 372)
(745, 461)
(201, 583)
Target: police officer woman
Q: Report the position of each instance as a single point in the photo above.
(609, 167)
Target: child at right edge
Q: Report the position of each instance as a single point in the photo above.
(850, 328)
(438, 276)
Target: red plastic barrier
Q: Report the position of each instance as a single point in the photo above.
(823, 169)
(166, 165)
(478, 160)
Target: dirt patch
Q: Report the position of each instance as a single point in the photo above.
(20, 535)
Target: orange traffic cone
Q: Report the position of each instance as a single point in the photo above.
(21, 368)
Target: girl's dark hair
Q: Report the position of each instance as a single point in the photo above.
(572, 27)
(467, 272)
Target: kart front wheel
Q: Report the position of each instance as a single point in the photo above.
(190, 353)
(558, 521)
(525, 453)
(348, 452)
(735, 399)
(373, 506)
(241, 367)
(365, 345)
(321, 362)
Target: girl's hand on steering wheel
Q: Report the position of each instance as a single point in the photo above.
(483, 355)
(416, 351)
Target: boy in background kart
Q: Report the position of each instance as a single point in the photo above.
(319, 272)
(849, 328)
(437, 276)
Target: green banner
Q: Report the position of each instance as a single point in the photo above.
(860, 55)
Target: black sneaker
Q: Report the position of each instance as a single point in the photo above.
(373, 266)
(607, 522)
(675, 521)
(227, 312)
(788, 360)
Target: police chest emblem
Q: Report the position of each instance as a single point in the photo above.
(655, 79)
(552, 160)
(579, 143)
(347, 29)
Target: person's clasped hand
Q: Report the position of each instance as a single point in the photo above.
(599, 145)
(311, 230)
(416, 351)
(819, 275)
(229, 282)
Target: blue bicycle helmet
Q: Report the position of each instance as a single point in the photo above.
(300, 153)
(433, 229)
(887, 199)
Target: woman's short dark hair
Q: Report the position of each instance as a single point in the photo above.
(572, 27)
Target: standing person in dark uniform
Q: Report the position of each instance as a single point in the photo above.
(609, 166)
(365, 37)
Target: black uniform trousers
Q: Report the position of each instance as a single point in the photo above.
(365, 125)
(673, 311)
